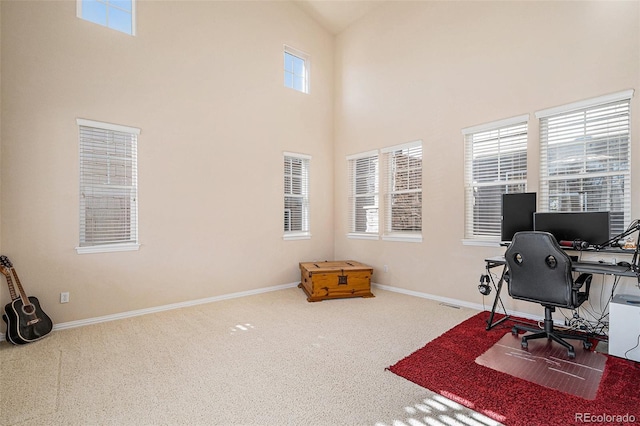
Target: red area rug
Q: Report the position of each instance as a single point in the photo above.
(447, 366)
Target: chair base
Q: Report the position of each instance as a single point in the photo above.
(551, 334)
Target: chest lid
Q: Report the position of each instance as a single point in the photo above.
(335, 266)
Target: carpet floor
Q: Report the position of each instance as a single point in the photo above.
(448, 366)
(268, 359)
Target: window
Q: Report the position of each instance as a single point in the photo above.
(296, 69)
(403, 195)
(296, 196)
(495, 164)
(116, 14)
(363, 195)
(585, 158)
(108, 187)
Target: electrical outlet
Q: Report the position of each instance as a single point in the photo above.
(385, 268)
(64, 297)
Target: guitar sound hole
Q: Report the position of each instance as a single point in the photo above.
(29, 309)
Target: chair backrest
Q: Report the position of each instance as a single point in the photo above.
(539, 270)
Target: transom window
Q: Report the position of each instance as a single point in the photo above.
(115, 14)
(296, 69)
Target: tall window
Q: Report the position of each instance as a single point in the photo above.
(116, 14)
(495, 164)
(296, 196)
(108, 187)
(403, 193)
(296, 69)
(585, 158)
(363, 195)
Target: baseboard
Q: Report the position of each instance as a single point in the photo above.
(138, 312)
(444, 300)
(457, 302)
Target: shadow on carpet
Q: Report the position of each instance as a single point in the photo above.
(447, 365)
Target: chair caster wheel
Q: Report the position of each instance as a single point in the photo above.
(587, 345)
(524, 344)
(572, 354)
(514, 331)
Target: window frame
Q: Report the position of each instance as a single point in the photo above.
(491, 131)
(86, 183)
(591, 109)
(389, 156)
(354, 194)
(305, 225)
(306, 59)
(109, 6)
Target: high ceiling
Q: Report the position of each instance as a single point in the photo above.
(336, 15)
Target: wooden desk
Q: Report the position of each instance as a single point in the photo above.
(581, 267)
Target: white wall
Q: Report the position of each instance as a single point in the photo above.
(426, 70)
(204, 82)
(0, 128)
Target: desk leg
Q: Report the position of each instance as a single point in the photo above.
(490, 323)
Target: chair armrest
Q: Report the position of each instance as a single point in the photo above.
(583, 279)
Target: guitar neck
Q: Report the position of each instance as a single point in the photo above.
(12, 290)
(23, 295)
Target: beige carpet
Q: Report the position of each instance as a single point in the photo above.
(269, 359)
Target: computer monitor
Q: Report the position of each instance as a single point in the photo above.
(590, 227)
(517, 214)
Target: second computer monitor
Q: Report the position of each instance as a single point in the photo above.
(590, 227)
(517, 214)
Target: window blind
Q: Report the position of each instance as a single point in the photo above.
(296, 193)
(363, 195)
(495, 164)
(585, 161)
(403, 196)
(108, 184)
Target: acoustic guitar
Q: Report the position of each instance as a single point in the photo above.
(26, 321)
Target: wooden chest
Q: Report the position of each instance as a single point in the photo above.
(337, 279)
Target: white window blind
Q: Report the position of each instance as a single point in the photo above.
(403, 195)
(296, 195)
(495, 164)
(363, 194)
(108, 185)
(585, 151)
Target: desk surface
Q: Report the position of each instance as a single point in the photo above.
(603, 268)
(583, 266)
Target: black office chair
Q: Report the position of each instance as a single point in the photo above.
(540, 271)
